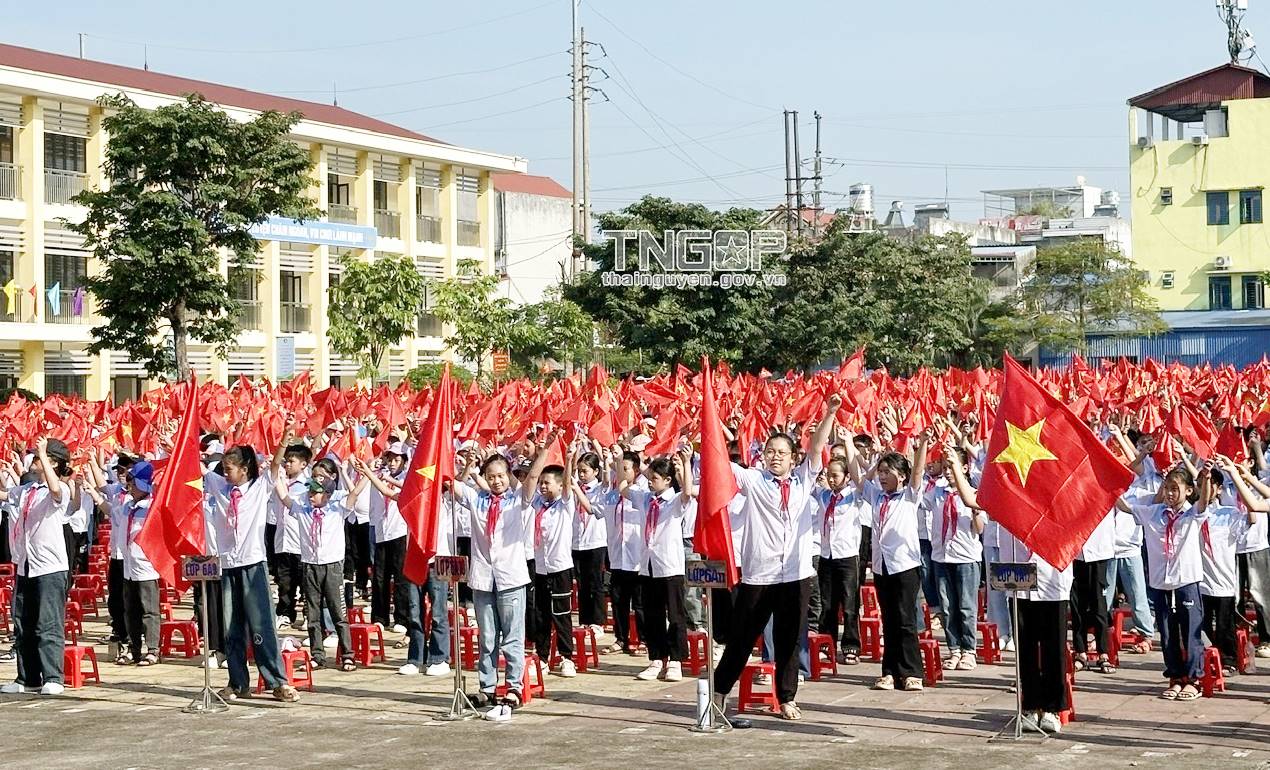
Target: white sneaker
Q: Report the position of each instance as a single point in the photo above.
(499, 714)
(281, 621)
(567, 669)
(397, 628)
(1050, 723)
(211, 662)
(968, 662)
(652, 673)
(885, 682)
(1030, 724)
(674, 671)
(1263, 651)
(12, 688)
(1009, 644)
(409, 669)
(331, 642)
(437, 669)
(52, 688)
(950, 662)
(913, 684)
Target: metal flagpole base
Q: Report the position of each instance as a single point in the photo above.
(712, 721)
(461, 707)
(206, 702)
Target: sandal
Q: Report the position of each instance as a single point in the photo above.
(401, 643)
(850, 659)
(1079, 664)
(1104, 666)
(789, 711)
(1173, 691)
(123, 659)
(149, 659)
(1141, 648)
(286, 693)
(348, 665)
(511, 700)
(1189, 692)
(612, 649)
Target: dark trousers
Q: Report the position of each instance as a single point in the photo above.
(897, 600)
(323, 584)
(866, 552)
(752, 606)
(1219, 626)
(245, 609)
(141, 604)
(288, 576)
(215, 629)
(114, 602)
(1041, 640)
(39, 627)
(531, 611)
(357, 554)
(553, 603)
(389, 593)
(76, 551)
(589, 565)
(464, 548)
(839, 592)
(721, 613)
(1254, 578)
(1089, 605)
(271, 532)
(665, 617)
(1179, 617)
(624, 589)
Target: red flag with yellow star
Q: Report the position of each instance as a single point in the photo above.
(420, 501)
(1047, 479)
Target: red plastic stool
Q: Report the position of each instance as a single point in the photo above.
(929, 631)
(85, 597)
(1113, 648)
(869, 602)
(698, 649)
(301, 679)
(531, 688)
(1213, 679)
(816, 644)
(470, 644)
(989, 643)
(91, 581)
(1120, 619)
(75, 617)
(356, 615)
(1069, 684)
(632, 632)
(188, 630)
(584, 659)
(7, 569)
(363, 652)
(871, 638)
(1241, 649)
(6, 601)
(932, 666)
(748, 699)
(165, 611)
(73, 666)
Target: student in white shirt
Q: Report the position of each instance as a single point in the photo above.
(1253, 551)
(291, 464)
(776, 571)
(1221, 533)
(839, 513)
(141, 580)
(590, 540)
(553, 511)
(110, 497)
(661, 511)
(1089, 596)
(38, 546)
(239, 503)
(389, 592)
(1171, 534)
(957, 553)
(624, 530)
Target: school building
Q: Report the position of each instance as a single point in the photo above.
(384, 190)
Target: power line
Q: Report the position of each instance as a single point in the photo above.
(404, 83)
(496, 114)
(714, 178)
(973, 166)
(653, 148)
(468, 101)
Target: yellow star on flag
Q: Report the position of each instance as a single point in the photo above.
(196, 483)
(1024, 448)
(429, 472)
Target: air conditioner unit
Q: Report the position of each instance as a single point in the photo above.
(1144, 142)
(1200, 140)
(1222, 263)
(1166, 279)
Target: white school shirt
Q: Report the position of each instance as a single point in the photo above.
(1183, 565)
(952, 541)
(136, 565)
(460, 522)
(1252, 538)
(1052, 585)
(78, 518)
(926, 515)
(1128, 536)
(664, 553)
(1219, 536)
(240, 542)
(385, 516)
(286, 538)
(839, 533)
(777, 546)
(362, 506)
(896, 547)
(37, 544)
(624, 528)
(1101, 544)
(551, 535)
(115, 498)
(321, 531)
(497, 563)
(589, 531)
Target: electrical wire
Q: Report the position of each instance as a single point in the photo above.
(468, 101)
(434, 78)
(497, 114)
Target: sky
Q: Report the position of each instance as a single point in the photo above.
(924, 99)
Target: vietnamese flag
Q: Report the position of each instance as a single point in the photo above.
(174, 524)
(1048, 479)
(713, 534)
(420, 501)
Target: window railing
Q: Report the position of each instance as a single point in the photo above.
(342, 213)
(427, 229)
(247, 315)
(388, 223)
(61, 186)
(66, 307)
(10, 182)
(469, 233)
(295, 317)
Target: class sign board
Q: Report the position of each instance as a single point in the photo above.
(1012, 576)
(701, 573)
(200, 568)
(450, 568)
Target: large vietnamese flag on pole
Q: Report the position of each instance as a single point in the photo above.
(420, 500)
(713, 535)
(174, 524)
(1048, 479)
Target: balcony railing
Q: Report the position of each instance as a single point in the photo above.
(61, 186)
(66, 308)
(469, 233)
(339, 212)
(388, 223)
(295, 317)
(247, 316)
(427, 229)
(10, 182)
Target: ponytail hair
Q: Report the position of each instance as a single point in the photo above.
(244, 457)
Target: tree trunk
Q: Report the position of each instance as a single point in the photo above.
(179, 342)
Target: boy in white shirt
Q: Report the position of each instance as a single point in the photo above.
(624, 529)
(141, 580)
(838, 511)
(551, 533)
(390, 593)
(957, 553)
(1221, 533)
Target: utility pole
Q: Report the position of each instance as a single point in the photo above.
(798, 176)
(815, 222)
(81, 45)
(576, 86)
(586, 142)
(789, 181)
(1238, 39)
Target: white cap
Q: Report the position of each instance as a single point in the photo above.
(215, 448)
(398, 448)
(639, 443)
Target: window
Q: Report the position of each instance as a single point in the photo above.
(69, 270)
(6, 144)
(290, 286)
(65, 153)
(338, 192)
(1219, 292)
(381, 196)
(1166, 196)
(1254, 293)
(6, 275)
(1249, 207)
(124, 388)
(66, 384)
(1218, 208)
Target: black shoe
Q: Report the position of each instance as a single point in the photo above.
(8, 655)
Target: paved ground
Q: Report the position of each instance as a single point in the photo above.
(375, 718)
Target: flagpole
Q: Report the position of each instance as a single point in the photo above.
(461, 707)
(208, 701)
(711, 719)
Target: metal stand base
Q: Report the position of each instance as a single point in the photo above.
(208, 701)
(461, 707)
(712, 720)
(1017, 719)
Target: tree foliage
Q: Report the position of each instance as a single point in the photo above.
(553, 328)
(374, 306)
(430, 375)
(480, 320)
(185, 181)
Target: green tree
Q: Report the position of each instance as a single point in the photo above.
(185, 181)
(374, 306)
(480, 320)
(1074, 290)
(430, 374)
(553, 328)
(1047, 209)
